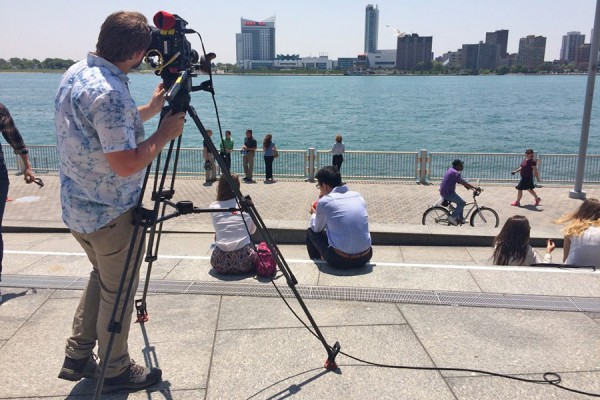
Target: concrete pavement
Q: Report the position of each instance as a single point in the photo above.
(234, 338)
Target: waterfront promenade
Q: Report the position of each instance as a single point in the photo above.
(429, 298)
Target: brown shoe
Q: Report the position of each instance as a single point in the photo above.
(136, 377)
(74, 370)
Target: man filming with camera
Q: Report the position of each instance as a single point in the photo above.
(103, 155)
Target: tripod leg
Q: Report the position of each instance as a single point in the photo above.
(247, 206)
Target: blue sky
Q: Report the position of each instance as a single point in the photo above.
(69, 28)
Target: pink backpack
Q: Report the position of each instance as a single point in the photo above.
(264, 262)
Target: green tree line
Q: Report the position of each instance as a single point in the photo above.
(24, 64)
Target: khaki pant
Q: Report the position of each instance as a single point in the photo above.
(248, 163)
(107, 250)
(211, 174)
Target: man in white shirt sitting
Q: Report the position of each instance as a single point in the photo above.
(339, 225)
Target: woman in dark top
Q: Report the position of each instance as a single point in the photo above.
(13, 137)
(269, 149)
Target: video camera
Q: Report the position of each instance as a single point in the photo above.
(169, 47)
(171, 56)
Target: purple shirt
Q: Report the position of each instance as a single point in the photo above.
(451, 178)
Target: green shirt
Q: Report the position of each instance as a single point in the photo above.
(226, 144)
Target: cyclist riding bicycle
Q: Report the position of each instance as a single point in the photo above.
(448, 190)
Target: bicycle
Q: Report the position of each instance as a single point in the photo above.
(479, 216)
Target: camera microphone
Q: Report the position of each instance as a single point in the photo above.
(164, 20)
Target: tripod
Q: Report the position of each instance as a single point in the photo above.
(149, 221)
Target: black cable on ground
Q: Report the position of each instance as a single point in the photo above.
(551, 378)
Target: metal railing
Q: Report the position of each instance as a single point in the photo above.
(418, 166)
(497, 167)
(290, 163)
(374, 164)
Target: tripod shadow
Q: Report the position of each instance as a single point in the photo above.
(10, 296)
(293, 389)
(328, 269)
(151, 361)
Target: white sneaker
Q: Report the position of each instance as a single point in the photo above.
(453, 220)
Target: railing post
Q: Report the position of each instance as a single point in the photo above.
(20, 166)
(423, 167)
(311, 164)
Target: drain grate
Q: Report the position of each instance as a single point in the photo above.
(429, 297)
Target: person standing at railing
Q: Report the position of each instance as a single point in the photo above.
(270, 152)
(448, 190)
(209, 160)
(337, 152)
(14, 138)
(528, 169)
(248, 156)
(227, 149)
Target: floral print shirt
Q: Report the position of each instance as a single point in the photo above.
(95, 114)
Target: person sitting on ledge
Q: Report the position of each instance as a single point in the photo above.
(339, 226)
(234, 252)
(511, 246)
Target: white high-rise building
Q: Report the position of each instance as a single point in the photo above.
(256, 41)
(371, 28)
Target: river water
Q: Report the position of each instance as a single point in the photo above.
(381, 113)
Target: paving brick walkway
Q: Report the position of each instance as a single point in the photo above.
(389, 203)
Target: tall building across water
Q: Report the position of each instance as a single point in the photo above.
(371, 28)
(570, 42)
(256, 41)
(412, 50)
(500, 39)
(532, 50)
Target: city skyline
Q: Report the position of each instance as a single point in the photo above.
(69, 28)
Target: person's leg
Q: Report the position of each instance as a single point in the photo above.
(213, 170)
(335, 161)
(111, 246)
(84, 336)
(535, 196)
(4, 184)
(268, 167)
(517, 202)
(316, 243)
(460, 205)
(250, 164)
(245, 164)
(337, 261)
(227, 158)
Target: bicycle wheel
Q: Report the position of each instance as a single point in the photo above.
(436, 215)
(485, 217)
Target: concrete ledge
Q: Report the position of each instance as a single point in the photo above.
(294, 232)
